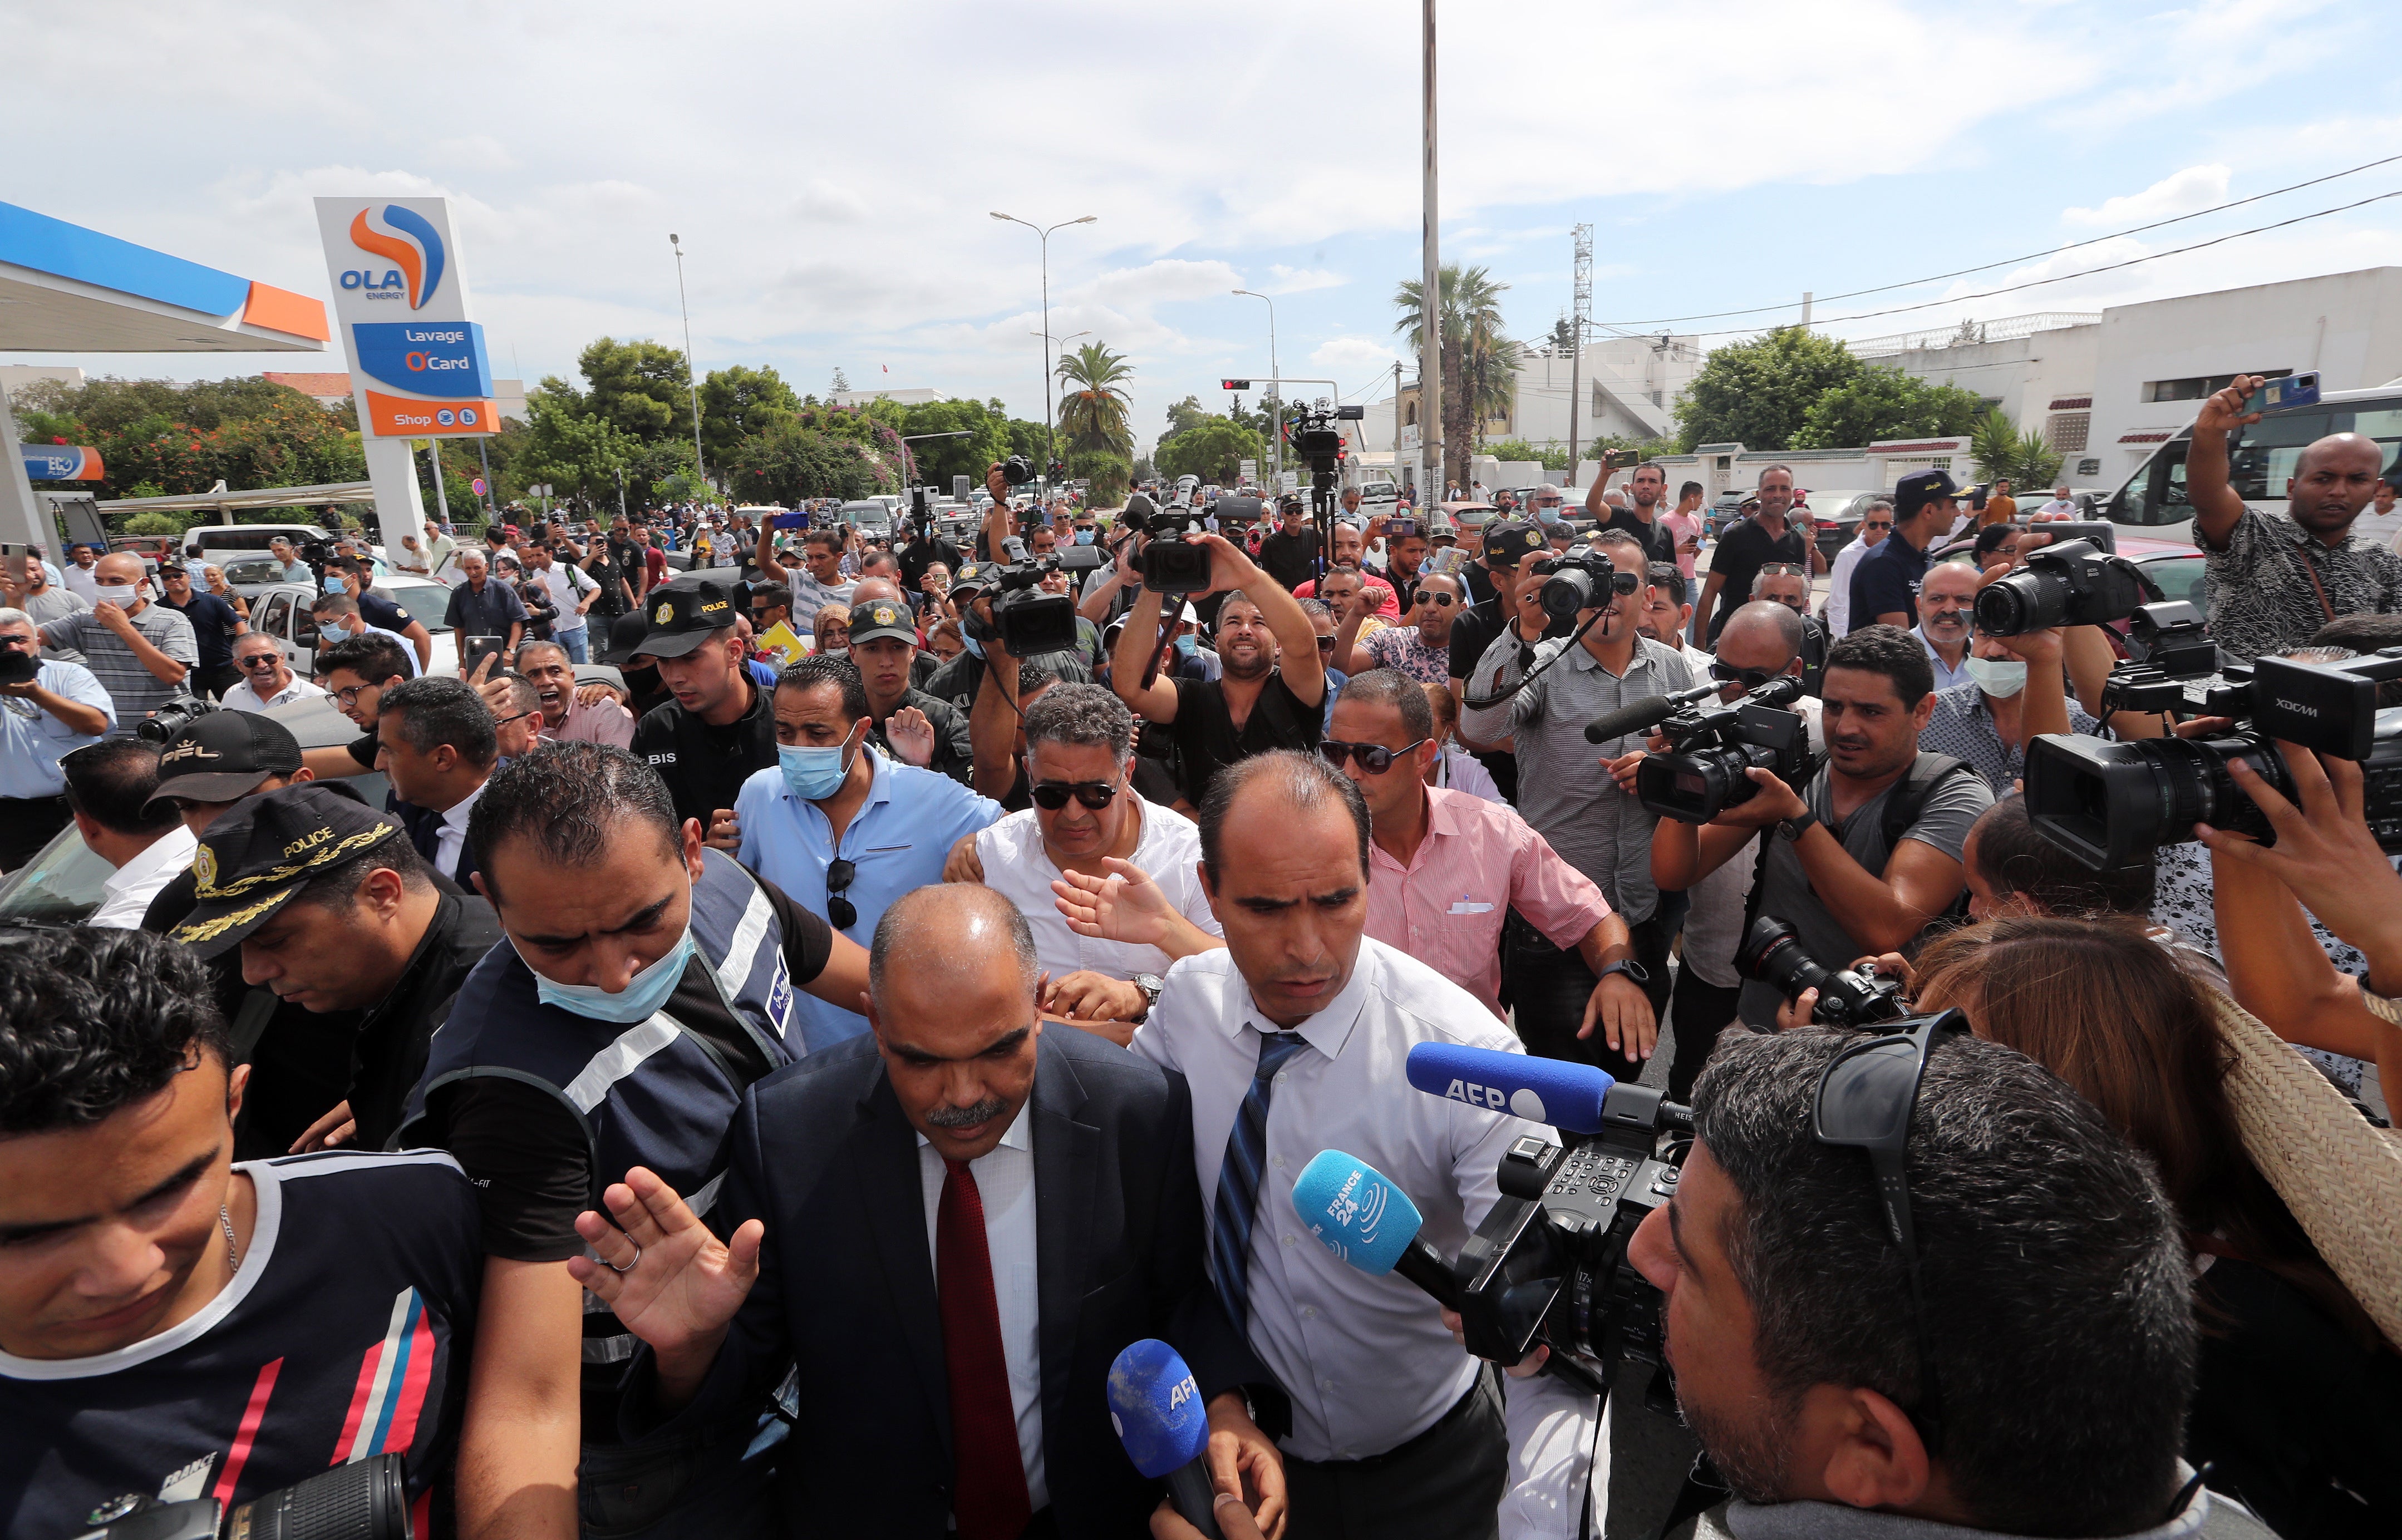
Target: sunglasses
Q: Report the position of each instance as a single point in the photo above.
(1750, 679)
(840, 911)
(1865, 1100)
(1374, 758)
(1782, 569)
(1443, 600)
(1052, 796)
(1326, 644)
(257, 660)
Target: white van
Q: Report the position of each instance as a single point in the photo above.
(224, 542)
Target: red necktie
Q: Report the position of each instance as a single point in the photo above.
(989, 1497)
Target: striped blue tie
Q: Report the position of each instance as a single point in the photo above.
(1239, 1180)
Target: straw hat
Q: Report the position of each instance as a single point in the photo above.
(2342, 1178)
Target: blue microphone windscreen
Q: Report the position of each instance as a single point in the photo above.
(1157, 1407)
(1361, 1218)
(1544, 1091)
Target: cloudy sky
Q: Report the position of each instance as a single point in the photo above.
(831, 168)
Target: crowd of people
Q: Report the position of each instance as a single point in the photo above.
(763, 1089)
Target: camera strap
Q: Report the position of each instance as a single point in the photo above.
(2310, 570)
(1903, 803)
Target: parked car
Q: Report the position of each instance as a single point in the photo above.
(870, 517)
(280, 611)
(224, 542)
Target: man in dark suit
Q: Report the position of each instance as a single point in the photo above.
(437, 743)
(951, 1229)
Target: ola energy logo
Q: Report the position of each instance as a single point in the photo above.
(417, 251)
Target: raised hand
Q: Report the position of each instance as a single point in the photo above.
(668, 1280)
(911, 735)
(1125, 906)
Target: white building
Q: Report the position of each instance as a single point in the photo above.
(914, 396)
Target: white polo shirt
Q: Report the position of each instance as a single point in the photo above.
(1017, 866)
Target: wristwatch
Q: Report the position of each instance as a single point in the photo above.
(1797, 826)
(1627, 966)
(1150, 984)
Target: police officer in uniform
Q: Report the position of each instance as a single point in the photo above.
(648, 982)
(720, 725)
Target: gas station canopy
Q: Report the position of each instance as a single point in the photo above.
(67, 289)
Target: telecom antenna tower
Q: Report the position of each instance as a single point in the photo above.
(1582, 318)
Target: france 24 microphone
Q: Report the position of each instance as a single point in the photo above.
(1369, 1223)
(1567, 1096)
(1644, 715)
(1156, 1406)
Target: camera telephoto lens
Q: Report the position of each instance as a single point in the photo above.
(1772, 953)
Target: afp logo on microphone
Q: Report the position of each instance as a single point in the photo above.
(1523, 1102)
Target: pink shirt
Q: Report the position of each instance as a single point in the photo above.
(1684, 527)
(1478, 859)
(1388, 605)
(607, 723)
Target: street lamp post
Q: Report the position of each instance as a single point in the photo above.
(691, 380)
(1276, 417)
(1050, 445)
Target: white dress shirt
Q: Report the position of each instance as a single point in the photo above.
(1017, 868)
(242, 697)
(1945, 675)
(1839, 586)
(1004, 1180)
(453, 836)
(1366, 1360)
(132, 886)
(81, 580)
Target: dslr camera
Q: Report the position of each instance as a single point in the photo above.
(363, 1499)
(1573, 579)
(1710, 747)
(1774, 955)
(1166, 563)
(2077, 583)
(1549, 1265)
(2111, 805)
(1028, 623)
(179, 711)
(1017, 470)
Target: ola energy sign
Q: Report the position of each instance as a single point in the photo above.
(417, 365)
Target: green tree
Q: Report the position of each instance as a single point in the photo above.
(1756, 393)
(639, 388)
(1093, 410)
(1184, 414)
(1109, 470)
(2002, 453)
(740, 401)
(1478, 364)
(939, 459)
(1213, 449)
(577, 452)
(1882, 401)
(793, 460)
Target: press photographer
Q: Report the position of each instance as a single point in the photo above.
(1867, 853)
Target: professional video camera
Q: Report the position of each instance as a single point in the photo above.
(1573, 578)
(1168, 564)
(1028, 623)
(178, 712)
(363, 1500)
(1772, 953)
(2077, 583)
(1710, 747)
(2111, 805)
(1317, 444)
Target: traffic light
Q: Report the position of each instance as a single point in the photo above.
(1233, 384)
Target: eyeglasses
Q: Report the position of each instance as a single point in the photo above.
(1052, 796)
(1442, 601)
(350, 697)
(1865, 1100)
(504, 722)
(1782, 568)
(1326, 644)
(1750, 679)
(840, 911)
(1375, 759)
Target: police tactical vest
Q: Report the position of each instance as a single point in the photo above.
(650, 1093)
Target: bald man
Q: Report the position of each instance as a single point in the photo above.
(960, 1214)
(2275, 578)
(142, 652)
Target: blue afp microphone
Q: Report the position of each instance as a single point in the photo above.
(1369, 1223)
(1565, 1095)
(1156, 1406)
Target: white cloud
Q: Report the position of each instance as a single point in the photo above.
(1353, 358)
(1297, 280)
(2188, 191)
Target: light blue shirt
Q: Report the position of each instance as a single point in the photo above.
(1945, 675)
(898, 840)
(32, 740)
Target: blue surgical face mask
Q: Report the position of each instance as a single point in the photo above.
(1083, 536)
(334, 629)
(1546, 513)
(639, 1001)
(975, 648)
(334, 584)
(814, 774)
(1187, 643)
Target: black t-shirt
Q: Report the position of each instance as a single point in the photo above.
(704, 766)
(213, 622)
(920, 554)
(608, 570)
(1291, 555)
(1743, 551)
(1479, 579)
(1658, 543)
(527, 1155)
(1204, 730)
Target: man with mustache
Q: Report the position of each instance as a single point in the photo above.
(564, 713)
(2275, 578)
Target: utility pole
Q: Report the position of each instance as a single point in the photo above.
(692, 380)
(1577, 323)
(1430, 296)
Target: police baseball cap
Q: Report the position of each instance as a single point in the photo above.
(685, 613)
(224, 755)
(1508, 540)
(266, 850)
(882, 618)
(1919, 489)
(626, 636)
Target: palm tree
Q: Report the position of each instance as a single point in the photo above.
(1480, 366)
(1093, 413)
